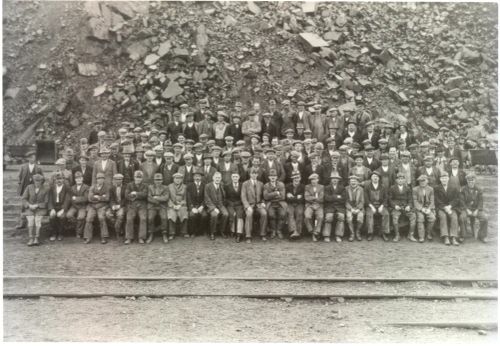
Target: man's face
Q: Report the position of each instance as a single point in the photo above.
(444, 180)
(382, 145)
(149, 158)
(197, 178)
(335, 160)
(114, 150)
(229, 143)
(137, 180)
(369, 128)
(392, 152)
(471, 182)
(400, 180)
(31, 159)
(256, 162)
(245, 160)
(256, 107)
(235, 178)
(163, 137)
(217, 178)
(351, 127)
(188, 161)
(334, 181)
(374, 178)
(422, 183)
(159, 154)
(296, 181)
(384, 162)
(126, 157)
(79, 180)
(454, 164)
(158, 182)
(177, 180)
(359, 161)
(314, 181)
(105, 156)
(273, 178)
(271, 155)
(405, 159)
(59, 181)
(117, 182)
(169, 160)
(100, 180)
(353, 182)
(227, 158)
(369, 153)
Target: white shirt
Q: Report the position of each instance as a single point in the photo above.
(31, 167)
(384, 168)
(369, 160)
(58, 190)
(158, 161)
(375, 186)
(454, 172)
(103, 164)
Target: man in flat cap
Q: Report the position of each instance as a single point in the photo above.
(355, 206)
(26, 173)
(189, 128)
(423, 201)
(214, 201)
(136, 194)
(274, 197)
(174, 127)
(59, 203)
(272, 163)
(376, 202)
(293, 165)
(79, 200)
(177, 207)
(313, 214)
(35, 202)
(104, 165)
(66, 174)
(334, 204)
(252, 199)
(234, 130)
(195, 198)
(447, 199)
(370, 134)
(352, 132)
(117, 204)
(401, 203)
(148, 167)
(472, 202)
(98, 203)
(187, 169)
(157, 206)
(84, 168)
(295, 205)
(407, 169)
(234, 205)
(127, 166)
(201, 112)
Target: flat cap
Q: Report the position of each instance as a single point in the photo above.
(118, 176)
(422, 177)
(187, 156)
(100, 175)
(273, 173)
(104, 150)
(313, 176)
(177, 175)
(158, 176)
(149, 153)
(37, 177)
(61, 161)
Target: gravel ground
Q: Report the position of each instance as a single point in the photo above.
(238, 320)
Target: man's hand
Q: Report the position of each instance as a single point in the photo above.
(249, 210)
(475, 213)
(200, 209)
(216, 211)
(53, 213)
(73, 198)
(407, 208)
(381, 208)
(299, 196)
(289, 195)
(373, 208)
(194, 211)
(60, 213)
(397, 207)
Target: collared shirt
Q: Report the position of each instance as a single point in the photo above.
(58, 191)
(31, 167)
(103, 164)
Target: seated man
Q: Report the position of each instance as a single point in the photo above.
(472, 202)
(355, 206)
(423, 201)
(35, 204)
(234, 205)
(195, 203)
(136, 194)
(314, 195)
(79, 201)
(214, 201)
(274, 196)
(401, 202)
(98, 203)
(177, 206)
(334, 208)
(251, 197)
(59, 202)
(117, 204)
(376, 205)
(448, 204)
(295, 204)
(157, 205)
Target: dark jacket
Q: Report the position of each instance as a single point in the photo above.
(195, 199)
(113, 197)
(141, 198)
(212, 198)
(376, 197)
(81, 197)
(472, 198)
(26, 178)
(64, 198)
(450, 197)
(87, 176)
(233, 197)
(297, 195)
(401, 198)
(334, 200)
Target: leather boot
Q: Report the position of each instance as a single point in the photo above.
(171, 229)
(350, 229)
(358, 232)
(150, 238)
(165, 237)
(37, 235)
(184, 228)
(30, 234)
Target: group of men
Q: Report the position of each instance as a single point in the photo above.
(330, 175)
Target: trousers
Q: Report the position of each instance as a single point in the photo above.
(89, 222)
(132, 213)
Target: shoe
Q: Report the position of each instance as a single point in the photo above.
(446, 241)
(338, 239)
(86, 241)
(36, 242)
(280, 235)
(461, 240)
(358, 236)
(454, 241)
(127, 241)
(30, 242)
(186, 235)
(314, 238)
(370, 237)
(238, 238)
(224, 235)
(248, 240)
(421, 240)
(20, 226)
(165, 238)
(59, 237)
(150, 239)
(263, 238)
(384, 236)
(326, 240)
(170, 237)
(412, 238)
(212, 237)
(351, 237)
(485, 240)
(294, 235)
(52, 238)
(396, 238)
(104, 241)
(273, 235)
(429, 236)
(78, 236)
(141, 241)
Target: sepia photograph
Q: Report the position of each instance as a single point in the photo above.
(250, 171)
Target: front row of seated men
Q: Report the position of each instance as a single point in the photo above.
(233, 208)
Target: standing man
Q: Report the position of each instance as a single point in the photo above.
(214, 200)
(79, 201)
(314, 196)
(105, 166)
(447, 204)
(401, 202)
(251, 197)
(274, 196)
(157, 205)
(472, 201)
(84, 169)
(376, 204)
(98, 203)
(26, 173)
(423, 201)
(136, 194)
(335, 198)
(35, 203)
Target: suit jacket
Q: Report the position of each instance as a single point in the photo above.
(141, 200)
(461, 177)
(320, 170)
(289, 170)
(335, 198)
(373, 165)
(355, 139)
(314, 200)
(161, 193)
(207, 177)
(297, 193)
(423, 200)
(374, 139)
(277, 166)
(226, 173)
(234, 131)
(173, 130)
(270, 128)
(244, 172)
(197, 161)
(109, 171)
(64, 198)
(178, 195)
(449, 197)
(206, 127)
(188, 176)
(148, 171)
(274, 194)
(387, 178)
(433, 177)
(377, 196)
(127, 172)
(195, 199)
(113, 196)
(87, 176)
(212, 198)
(251, 196)
(401, 198)
(102, 192)
(355, 198)
(159, 168)
(26, 177)
(168, 174)
(233, 197)
(41, 198)
(472, 198)
(81, 197)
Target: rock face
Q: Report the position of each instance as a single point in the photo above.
(432, 65)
